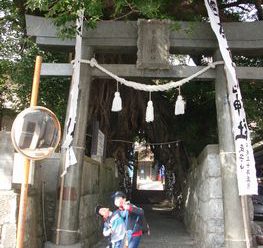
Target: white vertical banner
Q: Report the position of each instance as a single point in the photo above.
(70, 158)
(246, 171)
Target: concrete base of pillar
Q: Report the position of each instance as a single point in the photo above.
(51, 245)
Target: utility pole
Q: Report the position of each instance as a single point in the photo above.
(237, 228)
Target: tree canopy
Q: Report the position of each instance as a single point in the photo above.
(66, 12)
(17, 57)
(18, 52)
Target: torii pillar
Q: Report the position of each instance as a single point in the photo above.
(67, 215)
(234, 223)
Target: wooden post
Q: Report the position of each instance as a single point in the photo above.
(36, 80)
(235, 235)
(24, 186)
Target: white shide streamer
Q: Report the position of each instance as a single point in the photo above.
(149, 117)
(179, 104)
(70, 158)
(246, 171)
(117, 102)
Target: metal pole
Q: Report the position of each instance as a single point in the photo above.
(59, 209)
(24, 186)
(235, 233)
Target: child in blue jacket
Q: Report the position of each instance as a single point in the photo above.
(132, 216)
(114, 226)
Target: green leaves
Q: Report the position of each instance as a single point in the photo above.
(42, 5)
(65, 13)
(53, 91)
(17, 57)
(252, 96)
(153, 8)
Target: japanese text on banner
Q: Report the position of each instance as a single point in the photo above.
(246, 171)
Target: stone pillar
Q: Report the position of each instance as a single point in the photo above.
(8, 223)
(69, 222)
(6, 160)
(233, 218)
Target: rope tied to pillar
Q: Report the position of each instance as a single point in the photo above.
(69, 231)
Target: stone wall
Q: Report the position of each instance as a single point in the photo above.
(9, 206)
(43, 184)
(6, 160)
(48, 171)
(34, 225)
(203, 200)
(8, 198)
(7, 118)
(98, 183)
(8, 211)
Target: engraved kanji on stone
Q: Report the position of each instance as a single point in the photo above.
(153, 44)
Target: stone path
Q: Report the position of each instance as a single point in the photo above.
(166, 231)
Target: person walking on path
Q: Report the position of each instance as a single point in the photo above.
(114, 226)
(133, 217)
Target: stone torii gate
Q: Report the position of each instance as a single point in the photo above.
(122, 37)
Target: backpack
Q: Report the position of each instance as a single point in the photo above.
(145, 226)
(144, 223)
